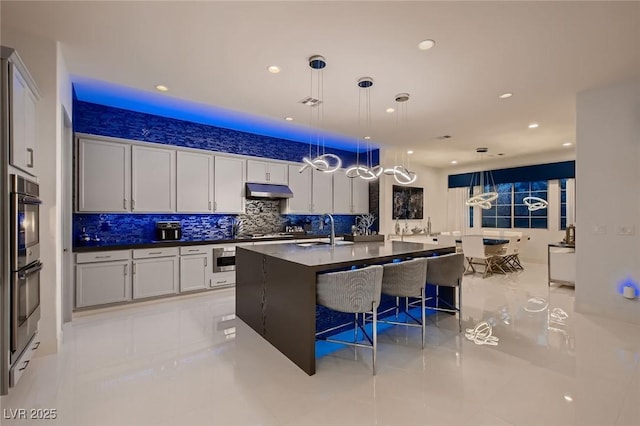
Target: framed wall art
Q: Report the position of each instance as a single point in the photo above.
(408, 202)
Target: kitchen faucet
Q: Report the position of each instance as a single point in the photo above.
(332, 237)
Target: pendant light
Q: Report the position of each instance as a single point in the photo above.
(327, 163)
(401, 173)
(366, 171)
(484, 199)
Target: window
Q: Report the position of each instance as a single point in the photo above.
(509, 210)
(499, 215)
(563, 203)
(523, 218)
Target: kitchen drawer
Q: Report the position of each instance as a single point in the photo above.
(219, 279)
(21, 363)
(195, 250)
(103, 256)
(155, 252)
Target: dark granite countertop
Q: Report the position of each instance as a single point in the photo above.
(563, 245)
(324, 254)
(182, 243)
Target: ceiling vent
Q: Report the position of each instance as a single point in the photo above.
(481, 150)
(309, 101)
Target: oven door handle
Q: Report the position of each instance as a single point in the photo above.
(32, 270)
(27, 199)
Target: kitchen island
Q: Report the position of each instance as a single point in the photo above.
(276, 287)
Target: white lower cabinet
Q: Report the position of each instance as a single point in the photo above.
(222, 279)
(102, 282)
(155, 275)
(194, 272)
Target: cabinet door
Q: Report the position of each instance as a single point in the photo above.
(228, 185)
(278, 173)
(153, 180)
(155, 277)
(342, 193)
(30, 130)
(257, 171)
(322, 192)
(360, 196)
(300, 185)
(104, 183)
(18, 142)
(194, 272)
(101, 283)
(194, 174)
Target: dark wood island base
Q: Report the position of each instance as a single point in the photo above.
(276, 287)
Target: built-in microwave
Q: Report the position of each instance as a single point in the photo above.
(224, 259)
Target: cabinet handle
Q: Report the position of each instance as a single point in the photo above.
(193, 250)
(133, 269)
(155, 252)
(124, 204)
(205, 261)
(268, 177)
(210, 282)
(125, 270)
(209, 205)
(103, 257)
(221, 282)
(30, 151)
(26, 363)
(133, 204)
(36, 346)
(215, 206)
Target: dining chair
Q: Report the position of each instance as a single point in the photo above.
(356, 291)
(474, 249)
(510, 253)
(447, 271)
(406, 280)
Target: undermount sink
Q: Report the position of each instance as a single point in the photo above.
(323, 243)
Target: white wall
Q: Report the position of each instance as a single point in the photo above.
(608, 193)
(434, 183)
(40, 55)
(535, 250)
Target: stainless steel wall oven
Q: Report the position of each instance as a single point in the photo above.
(224, 259)
(25, 264)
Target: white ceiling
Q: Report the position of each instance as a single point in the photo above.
(217, 53)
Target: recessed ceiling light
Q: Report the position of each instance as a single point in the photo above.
(367, 137)
(161, 88)
(390, 110)
(567, 144)
(533, 125)
(506, 95)
(410, 152)
(568, 398)
(289, 118)
(454, 162)
(426, 44)
(273, 69)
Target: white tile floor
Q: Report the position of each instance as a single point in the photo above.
(188, 362)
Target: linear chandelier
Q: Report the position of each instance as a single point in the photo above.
(323, 162)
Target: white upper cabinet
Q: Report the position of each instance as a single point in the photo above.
(300, 185)
(104, 171)
(342, 203)
(228, 185)
(322, 192)
(267, 172)
(23, 124)
(153, 180)
(194, 182)
(360, 196)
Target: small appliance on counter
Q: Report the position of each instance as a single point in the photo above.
(168, 231)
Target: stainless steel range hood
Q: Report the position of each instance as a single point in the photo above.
(267, 190)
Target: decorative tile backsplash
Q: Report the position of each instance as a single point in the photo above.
(120, 123)
(262, 216)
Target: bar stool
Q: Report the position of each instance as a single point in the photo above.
(447, 271)
(406, 279)
(356, 291)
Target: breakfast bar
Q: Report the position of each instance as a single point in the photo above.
(276, 287)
